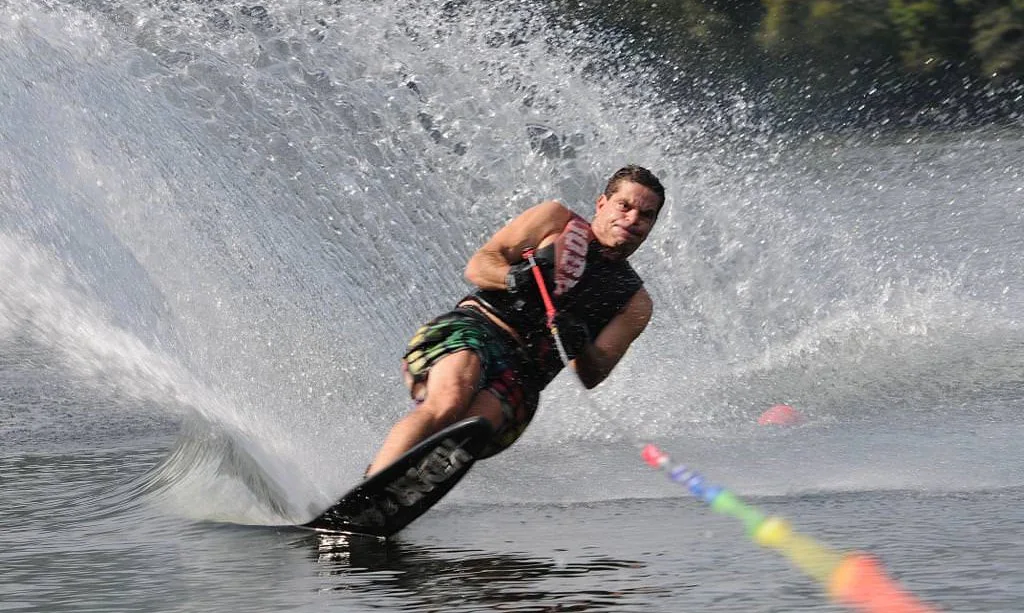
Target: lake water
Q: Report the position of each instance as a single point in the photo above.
(219, 224)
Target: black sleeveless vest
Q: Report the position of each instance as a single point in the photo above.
(594, 297)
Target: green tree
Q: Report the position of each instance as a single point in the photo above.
(997, 37)
(933, 33)
(834, 33)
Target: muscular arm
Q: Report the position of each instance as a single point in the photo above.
(598, 359)
(535, 227)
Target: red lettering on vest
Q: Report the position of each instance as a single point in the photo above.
(571, 254)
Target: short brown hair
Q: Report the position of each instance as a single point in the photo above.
(636, 174)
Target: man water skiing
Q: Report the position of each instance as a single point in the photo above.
(494, 353)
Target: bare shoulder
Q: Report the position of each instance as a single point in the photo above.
(529, 230)
(547, 217)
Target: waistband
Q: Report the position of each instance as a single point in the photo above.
(478, 313)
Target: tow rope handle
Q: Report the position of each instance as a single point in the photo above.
(549, 306)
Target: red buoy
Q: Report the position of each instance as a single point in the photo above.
(780, 415)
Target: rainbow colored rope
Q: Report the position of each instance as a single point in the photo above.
(855, 580)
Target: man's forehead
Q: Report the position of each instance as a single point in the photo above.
(641, 196)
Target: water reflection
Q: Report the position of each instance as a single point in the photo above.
(432, 577)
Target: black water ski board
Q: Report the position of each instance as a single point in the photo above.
(392, 498)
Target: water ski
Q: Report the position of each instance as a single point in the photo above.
(389, 500)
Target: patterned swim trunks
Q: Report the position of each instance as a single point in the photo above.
(501, 360)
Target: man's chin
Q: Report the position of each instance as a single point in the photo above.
(619, 251)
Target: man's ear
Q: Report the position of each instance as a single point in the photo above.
(601, 201)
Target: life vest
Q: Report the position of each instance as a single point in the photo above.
(580, 280)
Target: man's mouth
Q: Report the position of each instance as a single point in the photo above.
(627, 232)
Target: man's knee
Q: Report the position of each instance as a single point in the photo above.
(445, 392)
(487, 405)
(440, 412)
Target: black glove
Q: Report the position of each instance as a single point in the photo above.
(573, 332)
(521, 279)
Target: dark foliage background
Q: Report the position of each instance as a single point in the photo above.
(830, 63)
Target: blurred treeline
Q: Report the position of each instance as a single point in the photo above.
(862, 61)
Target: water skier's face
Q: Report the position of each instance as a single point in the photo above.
(624, 219)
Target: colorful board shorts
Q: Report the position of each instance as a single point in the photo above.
(502, 363)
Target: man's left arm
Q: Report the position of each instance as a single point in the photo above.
(598, 359)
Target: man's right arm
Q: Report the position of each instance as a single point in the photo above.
(489, 266)
(597, 360)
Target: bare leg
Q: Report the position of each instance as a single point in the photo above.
(450, 396)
